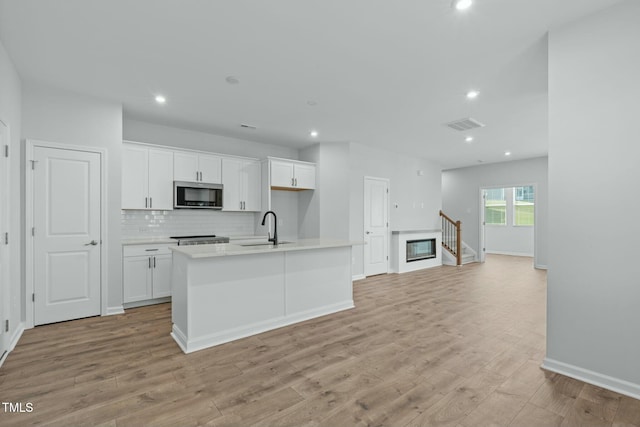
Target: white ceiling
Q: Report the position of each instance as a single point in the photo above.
(383, 73)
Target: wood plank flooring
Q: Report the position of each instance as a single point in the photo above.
(446, 346)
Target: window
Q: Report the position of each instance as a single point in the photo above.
(495, 207)
(523, 205)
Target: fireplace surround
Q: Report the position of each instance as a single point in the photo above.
(415, 249)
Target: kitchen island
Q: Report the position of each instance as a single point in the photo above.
(225, 292)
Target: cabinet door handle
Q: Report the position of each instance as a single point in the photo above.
(146, 202)
(150, 202)
(149, 262)
(296, 182)
(292, 182)
(244, 206)
(154, 262)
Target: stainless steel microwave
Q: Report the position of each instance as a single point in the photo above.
(196, 195)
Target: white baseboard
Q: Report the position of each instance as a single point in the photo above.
(614, 384)
(510, 253)
(358, 277)
(17, 334)
(199, 343)
(540, 266)
(146, 302)
(114, 310)
(179, 337)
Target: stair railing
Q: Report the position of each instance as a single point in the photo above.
(452, 237)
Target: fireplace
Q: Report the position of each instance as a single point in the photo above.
(421, 249)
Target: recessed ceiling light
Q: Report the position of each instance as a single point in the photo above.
(462, 4)
(468, 139)
(161, 99)
(232, 80)
(473, 94)
(507, 153)
(314, 134)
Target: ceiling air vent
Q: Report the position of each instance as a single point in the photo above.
(246, 126)
(465, 124)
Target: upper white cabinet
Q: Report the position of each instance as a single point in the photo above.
(241, 180)
(147, 178)
(193, 167)
(292, 175)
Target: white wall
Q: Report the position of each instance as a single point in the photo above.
(415, 200)
(509, 240)
(325, 211)
(593, 321)
(309, 201)
(151, 133)
(63, 117)
(11, 114)
(461, 197)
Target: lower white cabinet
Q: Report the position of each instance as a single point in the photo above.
(146, 272)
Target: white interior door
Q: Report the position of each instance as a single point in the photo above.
(4, 244)
(67, 235)
(376, 226)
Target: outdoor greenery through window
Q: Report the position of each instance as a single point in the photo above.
(495, 207)
(523, 205)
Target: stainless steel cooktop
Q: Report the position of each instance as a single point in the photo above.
(200, 240)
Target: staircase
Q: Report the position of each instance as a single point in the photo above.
(468, 256)
(454, 250)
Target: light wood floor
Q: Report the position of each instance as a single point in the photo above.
(446, 346)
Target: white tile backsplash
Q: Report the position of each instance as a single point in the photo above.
(186, 222)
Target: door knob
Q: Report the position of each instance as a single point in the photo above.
(368, 232)
(92, 243)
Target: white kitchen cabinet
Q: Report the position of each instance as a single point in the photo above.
(147, 178)
(241, 180)
(193, 167)
(292, 175)
(146, 272)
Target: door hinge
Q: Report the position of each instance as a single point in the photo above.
(33, 231)
(33, 164)
(387, 191)
(33, 297)
(6, 151)
(6, 238)
(6, 325)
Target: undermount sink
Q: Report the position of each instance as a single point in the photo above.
(264, 244)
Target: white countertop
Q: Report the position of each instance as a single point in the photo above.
(148, 240)
(152, 240)
(229, 249)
